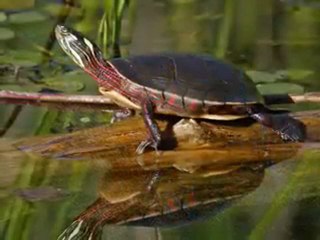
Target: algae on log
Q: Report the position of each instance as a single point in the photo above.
(198, 143)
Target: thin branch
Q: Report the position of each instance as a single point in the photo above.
(94, 101)
(83, 101)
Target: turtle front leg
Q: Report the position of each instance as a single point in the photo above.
(154, 136)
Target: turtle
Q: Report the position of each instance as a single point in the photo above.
(186, 85)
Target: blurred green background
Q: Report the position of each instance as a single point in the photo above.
(275, 41)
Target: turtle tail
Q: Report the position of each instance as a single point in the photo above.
(287, 127)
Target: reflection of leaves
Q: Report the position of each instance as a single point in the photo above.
(280, 88)
(6, 33)
(26, 17)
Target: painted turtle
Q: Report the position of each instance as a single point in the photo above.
(186, 85)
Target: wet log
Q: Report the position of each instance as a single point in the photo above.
(197, 144)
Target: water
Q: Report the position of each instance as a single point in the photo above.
(271, 194)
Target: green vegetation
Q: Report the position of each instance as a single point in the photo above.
(110, 27)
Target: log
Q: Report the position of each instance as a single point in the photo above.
(198, 144)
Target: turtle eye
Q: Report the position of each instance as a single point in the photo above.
(63, 29)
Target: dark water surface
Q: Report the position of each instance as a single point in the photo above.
(277, 42)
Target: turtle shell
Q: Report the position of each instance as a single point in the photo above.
(194, 76)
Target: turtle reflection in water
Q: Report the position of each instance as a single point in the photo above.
(164, 197)
(185, 85)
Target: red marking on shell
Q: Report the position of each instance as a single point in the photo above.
(190, 199)
(172, 100)
(193, 105)
(171, 204)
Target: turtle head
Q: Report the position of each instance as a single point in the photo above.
(82, 51)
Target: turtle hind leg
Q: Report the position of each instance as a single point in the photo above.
(288, 128)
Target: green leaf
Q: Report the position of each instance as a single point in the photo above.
(6, 34)
(280, 88)
(261, 77)
(69, 82)
(26, 17)
(68, 86)
(3, 17)
(19, 58)
(21, 88)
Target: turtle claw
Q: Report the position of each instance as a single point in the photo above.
(147, 143)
